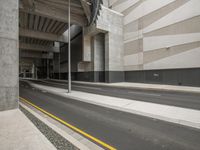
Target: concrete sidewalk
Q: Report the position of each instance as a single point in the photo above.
(18, 133)
(183, 116)
(142, 86)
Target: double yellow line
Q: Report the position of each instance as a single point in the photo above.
(69, 125)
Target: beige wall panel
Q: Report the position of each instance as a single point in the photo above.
(133, 67)
(157, 31)
(133, 47)
(191, 25)
(154, 55)
(188, 59)
(169, 41)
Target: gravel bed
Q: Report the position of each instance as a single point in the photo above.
(56, 139)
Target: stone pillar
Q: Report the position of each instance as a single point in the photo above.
(9, 55)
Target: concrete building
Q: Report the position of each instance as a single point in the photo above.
(97, 50)
(161, 40)
(160, 44)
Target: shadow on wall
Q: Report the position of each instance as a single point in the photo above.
(186, 77)
(83, 76)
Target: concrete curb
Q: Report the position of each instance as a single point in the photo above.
(181, 89)
(177, 121)
(58, 130)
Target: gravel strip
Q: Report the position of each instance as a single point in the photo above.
(56, 139)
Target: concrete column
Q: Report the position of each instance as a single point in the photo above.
(24, 74)
(59, 65)
(9, 55)
(33, 71)
(86, 47)
(111, 23)
(36, 71)
(47, 68)
(98, 57)
(56, 60)
(56, 65)
(114, 58)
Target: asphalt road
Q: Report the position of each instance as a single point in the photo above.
(122, 130)
(186, 100)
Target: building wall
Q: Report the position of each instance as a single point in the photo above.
(97, 54)
(161, 39)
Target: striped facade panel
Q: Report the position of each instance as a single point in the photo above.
(157, 31)
(161, 37)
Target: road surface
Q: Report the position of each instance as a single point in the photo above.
(121, 130)
(186, 100)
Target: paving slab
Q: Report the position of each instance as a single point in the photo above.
(17, 132)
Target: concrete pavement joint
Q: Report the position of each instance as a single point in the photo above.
(17, 132)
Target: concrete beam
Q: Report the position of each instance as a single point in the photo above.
(76, 9)
(39, 55)
(55, 14)
(35, 47)
(86, 8)
(28, 3)
(73, 3)
(42, 35)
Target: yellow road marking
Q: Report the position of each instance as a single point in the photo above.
(70, 126)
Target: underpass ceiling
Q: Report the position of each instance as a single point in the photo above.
(35, 41)
(49, 19)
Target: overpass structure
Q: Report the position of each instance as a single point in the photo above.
(111, 41)
(34, 37)
(106, 41)
(41, 23)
